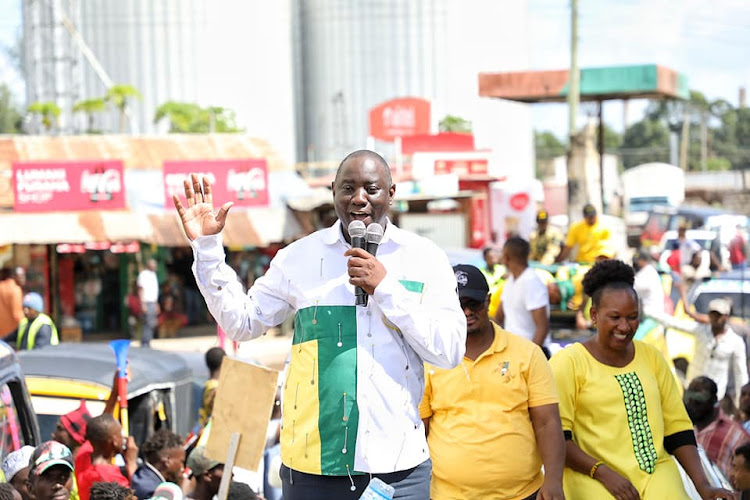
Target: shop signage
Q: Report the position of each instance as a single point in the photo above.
(46, 186)
(243, 181)
(480, 227)
(400, 117)
(462, 167)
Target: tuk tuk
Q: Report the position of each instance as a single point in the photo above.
(160, 390)
(18, 425)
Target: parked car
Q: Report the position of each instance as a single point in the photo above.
(160, 392)
(664, 218)
(18, 424)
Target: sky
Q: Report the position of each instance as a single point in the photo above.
(707, 41)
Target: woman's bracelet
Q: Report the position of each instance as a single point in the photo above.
(594, 469)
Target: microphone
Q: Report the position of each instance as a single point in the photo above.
(357, 231)
(372, 237)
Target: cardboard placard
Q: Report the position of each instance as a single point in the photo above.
(243, 404)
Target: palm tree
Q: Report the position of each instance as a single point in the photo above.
(120, 96)
(89, 107)
(184, 117)
(47, 110)
(189, 118)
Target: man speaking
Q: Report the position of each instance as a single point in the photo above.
(351, 396)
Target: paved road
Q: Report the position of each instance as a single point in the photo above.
(270, 350)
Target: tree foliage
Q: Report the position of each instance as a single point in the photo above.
(645, 141)
(190, 118)
(47, 111)
(547, 145)
(90, 107)
(455, 124)
(10, 116)
(120, 96)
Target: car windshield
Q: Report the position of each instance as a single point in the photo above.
(646, 203)
(740, 302)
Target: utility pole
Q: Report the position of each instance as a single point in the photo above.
(576, 153)
(574, 76)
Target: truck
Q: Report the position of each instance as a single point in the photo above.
(646, 186)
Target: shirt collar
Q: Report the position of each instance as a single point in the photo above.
(334, 234)
(155, 470)
(501, 339)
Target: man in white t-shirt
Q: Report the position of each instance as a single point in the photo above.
(688, 247)
(148, 292)
(648, 284)
(524, 303)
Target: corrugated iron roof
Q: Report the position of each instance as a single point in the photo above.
(142, 152)
(256, 227)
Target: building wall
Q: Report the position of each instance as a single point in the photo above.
(229, 53)
(358, 54)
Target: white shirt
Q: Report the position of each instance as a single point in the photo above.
(401, 328)
(150, 284)
(649, 289)
(713, 357)
(521, 296)
(687, 248)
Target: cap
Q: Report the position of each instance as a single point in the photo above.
(588, 210)
(33, 301)
(471, 282)
(17, 461)
(721, 306)
(167, 491)
(48, 454)
(75, 422)
(199, 463)
(542, 216)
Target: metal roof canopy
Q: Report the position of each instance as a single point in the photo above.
(648, 81)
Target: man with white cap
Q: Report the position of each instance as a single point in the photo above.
(36, 329)
(718, 349)
(16, 470)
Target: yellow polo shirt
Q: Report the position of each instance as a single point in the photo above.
(481, 440)
(588, 239)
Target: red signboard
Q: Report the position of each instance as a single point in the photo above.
(480, 227)
(432, 143)
(243, 181)
(400, 117)
(46, 186)
(461, 167)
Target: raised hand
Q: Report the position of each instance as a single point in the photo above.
(200, 218)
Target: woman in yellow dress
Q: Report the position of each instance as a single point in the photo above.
(620, 407)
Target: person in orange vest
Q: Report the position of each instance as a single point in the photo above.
(36, 329)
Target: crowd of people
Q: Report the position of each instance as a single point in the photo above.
(92, 458)
(448, 399)
(443, 385)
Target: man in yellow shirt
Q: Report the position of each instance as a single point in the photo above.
(492, 422)
(588, 235)
(545, 240)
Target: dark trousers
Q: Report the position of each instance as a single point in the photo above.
(411, 484)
